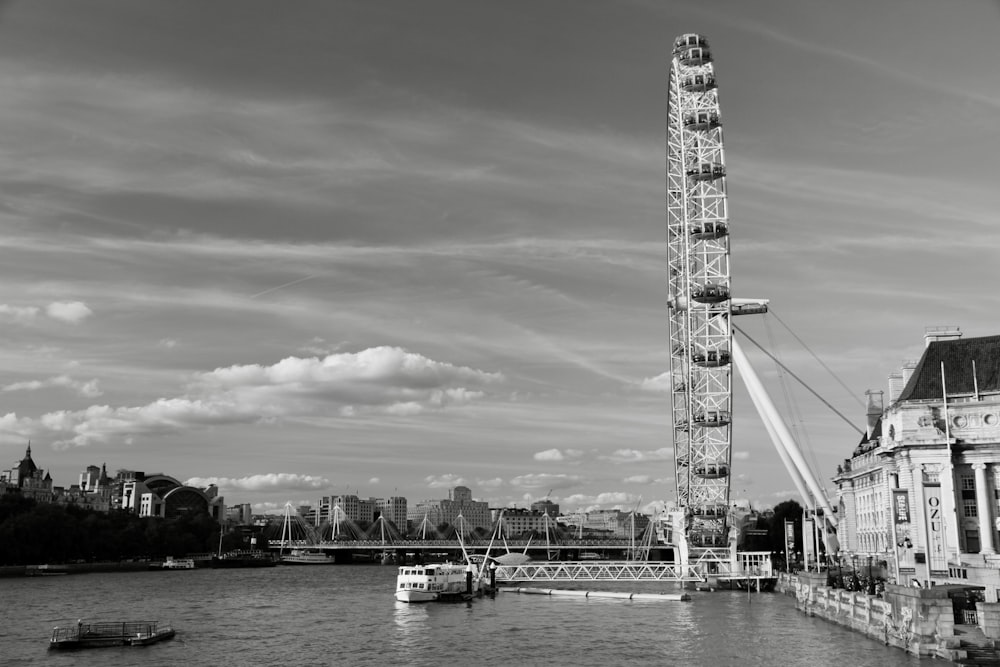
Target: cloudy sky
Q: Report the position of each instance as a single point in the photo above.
(384, 248)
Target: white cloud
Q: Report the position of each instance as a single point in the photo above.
(282, 481)
(386, 380)
(68, 311)
(638, 479)
(494, 483)
(374, 480)
(545, 481)
(637, 456)
(445, 481)
(89, 389)
(12, 430)
(168, 343)
(660, 383)
(606, 500)
(557, 455)
(20, 314)
(741, 456)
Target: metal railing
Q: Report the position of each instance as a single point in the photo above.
(596, 571)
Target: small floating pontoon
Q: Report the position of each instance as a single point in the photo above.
(109, 633)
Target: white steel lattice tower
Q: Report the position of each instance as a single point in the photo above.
(699, 304)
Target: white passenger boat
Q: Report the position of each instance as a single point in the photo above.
(440, 581)
(306, 557)
(178, 563)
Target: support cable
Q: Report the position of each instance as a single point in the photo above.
(800, 381)
(818, 360)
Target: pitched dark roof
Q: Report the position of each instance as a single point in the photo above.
(27, 465)
(957, 355)
(876, 433)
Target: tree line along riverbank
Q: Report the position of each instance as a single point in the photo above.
(39, 533)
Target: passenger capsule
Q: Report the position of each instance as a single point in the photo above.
(707, 540)
(705, 171)
(709, 511)
(695, 57)
(710, 229)
(688, 41)
(710, 293)
(711, 418)
(702, 120)
(698, 83)
(710, 358)
(711, 470)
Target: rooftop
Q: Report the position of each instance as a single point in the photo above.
(958, 356)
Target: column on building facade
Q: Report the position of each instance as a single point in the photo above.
(918, 513)
(983, 510)
(949, 509)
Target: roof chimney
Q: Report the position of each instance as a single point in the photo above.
(934, 334)
(896, 385)
(874, 410)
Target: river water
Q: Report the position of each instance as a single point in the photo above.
(346, 615)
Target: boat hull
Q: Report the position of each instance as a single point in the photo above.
(429, 583)
(227, 563)
(245, 558)
(416, 596)
(307, 558)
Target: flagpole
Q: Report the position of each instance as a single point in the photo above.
(950, 468)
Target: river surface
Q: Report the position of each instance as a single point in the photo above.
(346, 615)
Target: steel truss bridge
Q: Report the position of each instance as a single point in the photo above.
(576, 571)
(472, 546)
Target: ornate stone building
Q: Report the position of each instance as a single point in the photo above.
(28, 479)
(921, 492)
(161, 495)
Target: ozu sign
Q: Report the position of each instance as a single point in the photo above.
(935, 527)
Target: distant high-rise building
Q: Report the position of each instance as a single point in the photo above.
(241, 515)
(475, 514)
(393, 509)
(546, 506)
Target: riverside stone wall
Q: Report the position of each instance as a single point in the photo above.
(917, 620)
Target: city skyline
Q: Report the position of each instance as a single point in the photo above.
(370, 246)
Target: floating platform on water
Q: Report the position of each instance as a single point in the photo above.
(109, 633)
(660, 597)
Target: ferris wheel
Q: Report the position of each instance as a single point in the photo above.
(699, 303)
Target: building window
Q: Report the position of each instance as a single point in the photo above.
(972, 541)
(968, 483)
(969, 508)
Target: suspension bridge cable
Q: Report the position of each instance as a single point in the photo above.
(799, 380)
(820, 361)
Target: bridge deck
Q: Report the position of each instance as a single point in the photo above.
(596, 571)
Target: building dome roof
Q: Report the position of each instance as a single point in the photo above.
(27, 467)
